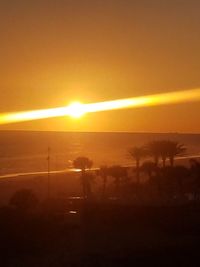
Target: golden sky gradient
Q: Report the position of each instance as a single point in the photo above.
(55, 52)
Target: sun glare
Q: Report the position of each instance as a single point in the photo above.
(76, 110)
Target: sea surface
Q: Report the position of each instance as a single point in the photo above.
(27, 151)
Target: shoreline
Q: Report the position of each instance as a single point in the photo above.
(72, 170)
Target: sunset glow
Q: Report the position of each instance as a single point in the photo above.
(77, 110)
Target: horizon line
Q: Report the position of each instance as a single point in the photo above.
(128, 132)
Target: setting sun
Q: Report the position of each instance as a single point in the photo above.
(76, 110)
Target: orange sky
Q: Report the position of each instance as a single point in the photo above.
(54, 52)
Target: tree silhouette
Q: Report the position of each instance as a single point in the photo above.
(84, 163)
(104, 172)
(174, 149)
(118, 172)
(148, 167)
(153, 149)
(137, 153)
(165, 149)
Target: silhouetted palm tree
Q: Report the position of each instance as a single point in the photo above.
(137, 153)
(118, 172)
(104, 172)
(148, 167)
(165, 149)
(174, 149)
(163, 144)
(84, 163)
(153, 149)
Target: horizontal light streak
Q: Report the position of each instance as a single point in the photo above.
(146, 101)
(77, 109)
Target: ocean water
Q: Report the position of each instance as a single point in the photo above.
(26, 151)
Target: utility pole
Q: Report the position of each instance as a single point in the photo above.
(48, 173)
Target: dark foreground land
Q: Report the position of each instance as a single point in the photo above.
(101, 235)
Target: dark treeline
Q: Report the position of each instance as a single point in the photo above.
(155, 178)
(146, 214)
